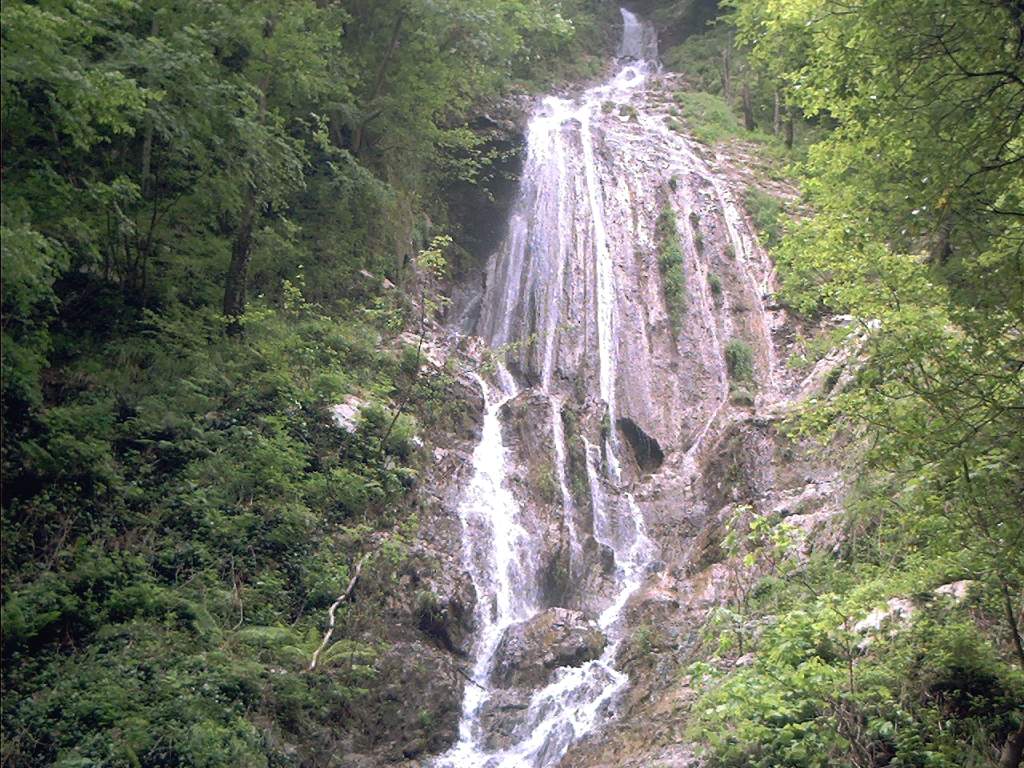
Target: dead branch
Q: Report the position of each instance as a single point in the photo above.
(334, 607)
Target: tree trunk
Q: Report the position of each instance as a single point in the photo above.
(359, 135)
(726, 73)
(748, 108)
(147, 159)
(241, 247)
(1013, 749)
(147, 141)
(942, 247)
(238, 269)
(776, 115)
(790, 129)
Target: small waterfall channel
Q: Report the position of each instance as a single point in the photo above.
(558, 220)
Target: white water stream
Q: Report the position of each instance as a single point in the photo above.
(564, 300)
(497, 549)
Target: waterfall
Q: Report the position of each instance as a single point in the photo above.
(639, 40)
(497, 550)
(557, 229)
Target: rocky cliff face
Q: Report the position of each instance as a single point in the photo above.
(630, 354)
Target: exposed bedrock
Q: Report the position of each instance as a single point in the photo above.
(568, 576)
(478, 211)
(749, 468)
(413, 705)
(505, 717)
(670, 377)
(749, 464)
(527, 659)
(628, 427)
(530, 651)
(444, 611)
(645, 449)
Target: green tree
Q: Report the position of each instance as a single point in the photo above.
(916, 234)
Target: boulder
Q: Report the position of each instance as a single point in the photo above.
(446, 613)
(531, 650)
(346, 413)
(505, 718)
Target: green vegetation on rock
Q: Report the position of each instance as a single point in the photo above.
(766, 213)
(739, 359)
(670, 263)
(715, 284)
(707, 117)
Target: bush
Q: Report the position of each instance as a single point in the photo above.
(246, 506)
(670, 264)
(765, 211)
(739, 359)
(715, 284)
(645, 639)
(932, 692)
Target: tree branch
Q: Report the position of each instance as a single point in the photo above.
(334, 607)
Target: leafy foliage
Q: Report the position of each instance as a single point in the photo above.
(179, 509)
(739, 359)
(707, 117)
(766, 212)
(916, 237)
(670, 262)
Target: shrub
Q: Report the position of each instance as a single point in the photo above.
(709, 118)
(715, 284)
(739, 359)
(931, 693)
(665, 227)
(645, 639)
(670, 264)
(765, 211)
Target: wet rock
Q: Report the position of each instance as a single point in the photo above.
(531, 650)
(446, 613)
(504, 717)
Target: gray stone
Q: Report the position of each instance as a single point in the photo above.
(531, 650)
(346, 413)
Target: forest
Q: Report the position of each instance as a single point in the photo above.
(242, 244)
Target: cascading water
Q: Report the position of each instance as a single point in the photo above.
(559, 220)
(581, 320)
(496, 554)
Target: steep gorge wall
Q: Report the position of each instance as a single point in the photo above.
(626, 444)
